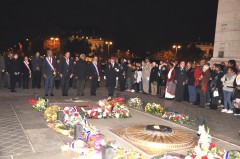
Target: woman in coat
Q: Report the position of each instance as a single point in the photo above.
(228, 88)
(170, 86)
(203, 84)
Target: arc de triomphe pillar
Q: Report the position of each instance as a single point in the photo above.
(227, 36)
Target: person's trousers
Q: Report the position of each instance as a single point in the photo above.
(145, 84)
(162, 91)
(213, 101)
(57, 83)
(13, 79)
(94, 83)
(179, 94)
(20, 79)
(111, 90)
(227, 100)
(49, 81)
(65, 85)
(122, 83)
(36, 79)
(153, 89)
(237, 111)
(129, 84)
(192, 93)
(25, 81)
(1, 75)
(137, 87)
(202, 98)
(80, 86)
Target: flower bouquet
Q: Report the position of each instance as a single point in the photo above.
(50, 113)
(135, 103)
(115, 109)
(71, 116)
(127, 154)
(94, 112)
(121, 112)
(206, 149)
(176, 117)
(40, 104)
(155, 109)
(232, 154)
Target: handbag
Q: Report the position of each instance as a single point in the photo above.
(236, 103)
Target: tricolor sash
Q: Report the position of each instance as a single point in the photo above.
(96, 68)
(50, 64)
(25, 63)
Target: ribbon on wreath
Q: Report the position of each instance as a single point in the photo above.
(86, 131)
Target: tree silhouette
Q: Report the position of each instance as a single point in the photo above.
(78, 46)
(190, 53)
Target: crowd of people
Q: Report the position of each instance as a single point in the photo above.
(216, 85)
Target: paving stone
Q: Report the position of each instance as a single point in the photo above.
(13, 140)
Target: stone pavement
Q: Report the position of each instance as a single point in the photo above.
(25, 135)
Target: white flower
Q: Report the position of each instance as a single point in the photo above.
(99, 110)
(117, 115)
(210, 156)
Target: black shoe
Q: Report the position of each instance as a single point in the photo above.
(82, 94)
(46, 95)
(52, 95)
(13, 90)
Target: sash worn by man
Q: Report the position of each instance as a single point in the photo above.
(48, 69)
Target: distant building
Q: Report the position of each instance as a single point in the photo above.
(207, 48)
(96, 43)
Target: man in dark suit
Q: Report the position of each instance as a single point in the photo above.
(94, 75)
(66, 72)
(49, 72)
(180, 80)
(36, 70)
(14, 71)
(111, 75)
(122, 74)
(80, 73)
(26, 72)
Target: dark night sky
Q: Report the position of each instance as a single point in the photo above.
(131, 24)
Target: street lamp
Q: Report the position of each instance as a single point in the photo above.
(108, 43)
(176, 47)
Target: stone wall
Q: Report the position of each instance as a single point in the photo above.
(227, 36)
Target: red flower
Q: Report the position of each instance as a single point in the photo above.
(76, 114)
(118, 111)
(204, 157)
(212, 145)
(175, 118)
(32, 101)
(193, 156)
